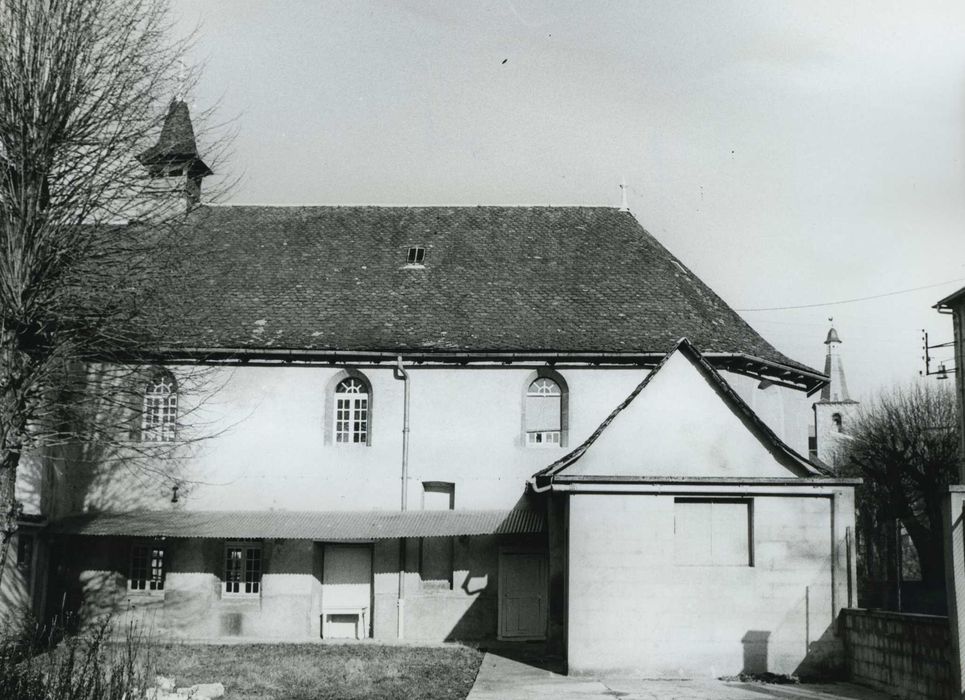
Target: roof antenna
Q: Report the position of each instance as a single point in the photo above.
(623, 195)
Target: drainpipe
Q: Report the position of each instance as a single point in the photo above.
(400, 373)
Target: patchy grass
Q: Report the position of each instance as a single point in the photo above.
(324, 671)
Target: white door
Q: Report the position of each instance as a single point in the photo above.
(346, 590)
(522, 595)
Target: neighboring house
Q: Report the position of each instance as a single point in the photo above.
(458, 423)
(834, 411)
(954, 304)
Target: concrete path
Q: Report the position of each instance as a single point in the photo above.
(501, 678)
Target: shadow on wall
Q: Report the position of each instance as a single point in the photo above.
(103, 461)
(822, 662)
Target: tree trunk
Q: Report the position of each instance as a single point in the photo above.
(930, 548)
(9, 508)
(892, 594)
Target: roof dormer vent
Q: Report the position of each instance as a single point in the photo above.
(415, 256)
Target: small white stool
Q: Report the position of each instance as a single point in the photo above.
(359, 613)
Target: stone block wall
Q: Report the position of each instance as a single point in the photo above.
(906, 655)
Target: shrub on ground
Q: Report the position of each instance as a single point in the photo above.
(38, 663)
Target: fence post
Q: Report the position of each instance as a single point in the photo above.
(954, 535)
(849, 542)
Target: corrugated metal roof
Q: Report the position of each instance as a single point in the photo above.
(350, 525)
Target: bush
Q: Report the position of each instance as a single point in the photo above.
(38, 663)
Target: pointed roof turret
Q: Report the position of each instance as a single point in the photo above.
(837, 389)
(176, 152)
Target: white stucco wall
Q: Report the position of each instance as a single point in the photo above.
(264, 443)
(679, 425)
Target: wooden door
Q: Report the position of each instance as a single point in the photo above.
(522, 595)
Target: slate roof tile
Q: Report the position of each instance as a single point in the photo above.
(525, 279)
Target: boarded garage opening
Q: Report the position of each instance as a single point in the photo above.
(713, 532)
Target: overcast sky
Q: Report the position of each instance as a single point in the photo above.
(789, 154)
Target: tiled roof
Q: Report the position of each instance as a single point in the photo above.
(330, 526)
(495, 279)
(788, 456)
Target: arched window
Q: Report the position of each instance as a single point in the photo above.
(352, 411)
(836, 422)
(159, 415)
(543, 413)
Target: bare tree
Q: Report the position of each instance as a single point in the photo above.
(905, 446)
(85, 86)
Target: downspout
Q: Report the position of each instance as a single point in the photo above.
(400, 373)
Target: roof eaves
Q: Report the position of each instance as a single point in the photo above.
(954, 296)
(807, 379)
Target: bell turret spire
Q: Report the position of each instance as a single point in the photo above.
(835, 409)
(176, 153)
(837, 388)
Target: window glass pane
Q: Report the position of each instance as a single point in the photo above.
(147, 568)
(543, 413)
(253, 570)
(25, 551)
(544, 386)
(138, 579)
(243, 569)
(159, 412)
(232, 576)
(351, 411)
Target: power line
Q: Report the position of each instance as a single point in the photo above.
(851, 301)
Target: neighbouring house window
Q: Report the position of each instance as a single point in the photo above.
(713, 532)
(836, 422)
(25, 551)
(242, 568)
(147, 567)
(352, 411)
(437, 552)
(159, 415)
(543, 413)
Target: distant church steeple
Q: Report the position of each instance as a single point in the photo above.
(176, 153)
(835, 409)
(837, 388)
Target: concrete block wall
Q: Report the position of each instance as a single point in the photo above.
(909, 656)
(632, 608)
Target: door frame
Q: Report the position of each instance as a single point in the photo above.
(544, 554)
(370, 545)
